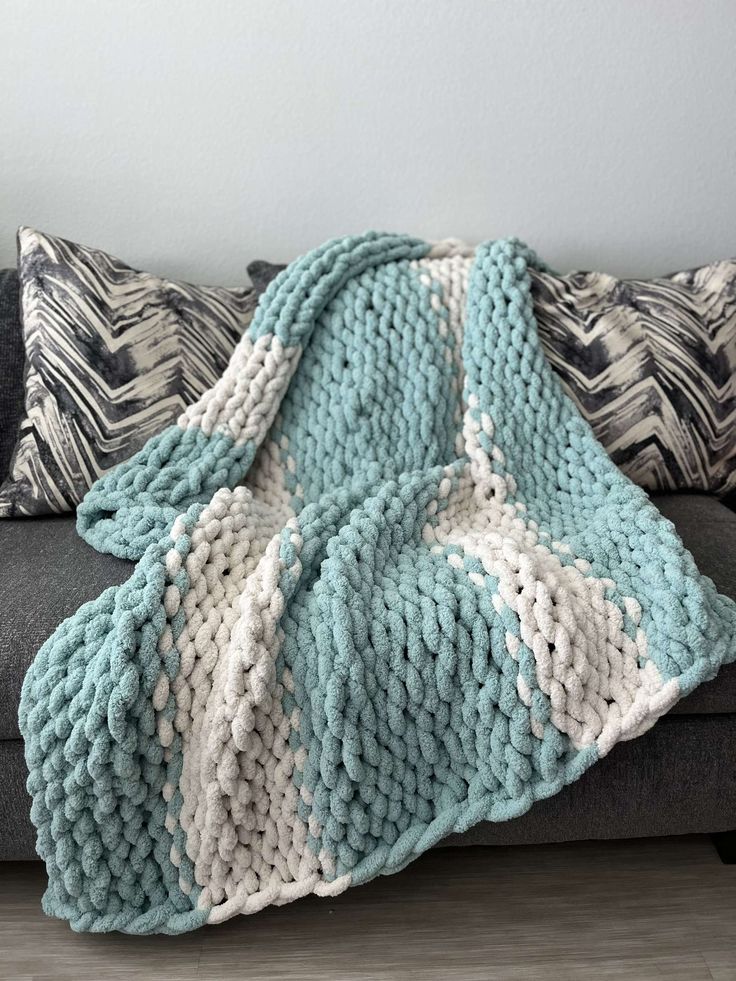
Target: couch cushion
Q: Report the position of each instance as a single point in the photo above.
(47, 572)
(708, 529)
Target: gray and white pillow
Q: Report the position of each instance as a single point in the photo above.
(113, 356)
(651, 364)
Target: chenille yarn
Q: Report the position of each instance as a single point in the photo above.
(388, 585)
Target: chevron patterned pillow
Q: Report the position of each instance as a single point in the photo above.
(651, 364)
(113, 356)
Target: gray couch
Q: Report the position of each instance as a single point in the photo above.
(679, 778)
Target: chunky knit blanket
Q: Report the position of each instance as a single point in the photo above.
(388, 586)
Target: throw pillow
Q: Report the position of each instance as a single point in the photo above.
(113, 356)
(651, 364)
(12, 359)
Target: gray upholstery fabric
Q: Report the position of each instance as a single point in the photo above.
(12, 361)
(17, 834)
(261, 273)
(47, 572)
(708, 529)
(678, 778)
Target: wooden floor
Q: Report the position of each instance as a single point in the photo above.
(663, 908)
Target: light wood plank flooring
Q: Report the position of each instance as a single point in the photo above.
(662, 908)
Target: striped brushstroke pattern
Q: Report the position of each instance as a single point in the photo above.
(651, 364)
(113, 357)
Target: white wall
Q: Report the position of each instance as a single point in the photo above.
(189, 136)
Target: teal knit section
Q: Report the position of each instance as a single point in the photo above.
(388, 586)
(364, 388)
(134, 505)
(448, 743)
(294, 301)
(96, 766)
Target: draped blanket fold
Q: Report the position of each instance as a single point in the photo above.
(388, 585)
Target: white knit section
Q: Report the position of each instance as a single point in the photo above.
(245, 400)
(266, 479)
(585, 662)
(239, 814)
